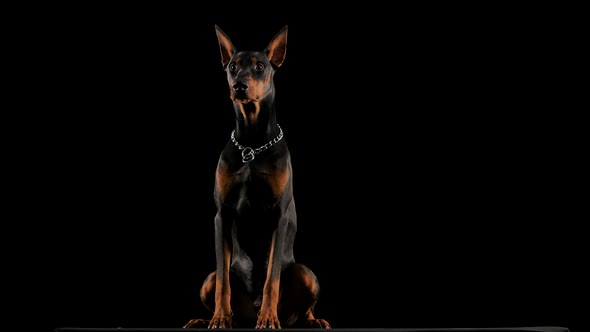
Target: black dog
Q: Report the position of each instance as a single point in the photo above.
(257, 283)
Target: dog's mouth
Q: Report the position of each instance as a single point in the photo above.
(244, 100)
(245, 94)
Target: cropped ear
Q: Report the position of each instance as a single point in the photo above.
(225, 46)
(277, 48)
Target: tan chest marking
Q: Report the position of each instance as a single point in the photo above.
(277, 179)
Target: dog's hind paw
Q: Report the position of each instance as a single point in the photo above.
(197, 323)
(317, 323)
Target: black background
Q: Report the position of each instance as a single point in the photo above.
(433, 174)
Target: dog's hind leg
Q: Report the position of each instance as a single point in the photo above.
(208, 298)
(299, 293)
(241, 304)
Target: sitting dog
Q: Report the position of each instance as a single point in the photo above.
(257, 283)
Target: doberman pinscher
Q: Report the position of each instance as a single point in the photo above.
(257, 283)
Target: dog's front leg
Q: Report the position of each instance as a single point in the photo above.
(222, 315)
(268, 315)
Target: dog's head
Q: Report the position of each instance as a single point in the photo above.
(250, 73)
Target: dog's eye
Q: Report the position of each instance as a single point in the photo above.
(259, 66)
(233, 67)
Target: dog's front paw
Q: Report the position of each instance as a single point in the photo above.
(220, 322)
(268, 320)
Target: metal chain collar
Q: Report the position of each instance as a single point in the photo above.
(248, 153)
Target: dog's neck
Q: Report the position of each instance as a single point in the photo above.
(256, 122)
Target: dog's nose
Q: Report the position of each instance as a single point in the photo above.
(240, 87)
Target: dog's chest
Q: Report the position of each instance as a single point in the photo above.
(251, 200)
(250, 190)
